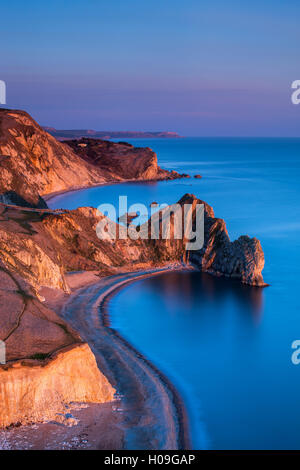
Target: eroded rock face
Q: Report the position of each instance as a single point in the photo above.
(28, 327)
(34, 392)
(41, 247)
(121, 160)
(38, 247)
(241, 259)
(47, 364)
(75, 238)
(11, 197)
(34, 164)
(26, 250)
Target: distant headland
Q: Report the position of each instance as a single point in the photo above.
(79, 133)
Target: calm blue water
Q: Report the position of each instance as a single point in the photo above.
(227, 347)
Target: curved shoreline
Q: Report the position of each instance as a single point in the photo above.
(183, 429)
(54, 195)
(154, 414)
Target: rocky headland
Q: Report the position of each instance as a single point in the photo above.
(33, 163)
(121, 161)
(41, 248)
(60, 134)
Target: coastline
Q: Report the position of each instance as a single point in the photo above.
(184, 442)
(177, 418)
(55, 194)
(50, 196)
(150, 403)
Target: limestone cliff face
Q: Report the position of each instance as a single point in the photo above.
(41, 247)
(36, 249)
(80, 248)
(34, 392)
(121, 160)
(27, 326)
(25, 249)
(32, 261)
(33, 163)
(47, 364)
(74, 235)
(242, 259)
(38, 246)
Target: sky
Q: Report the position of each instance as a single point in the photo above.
(196, 67)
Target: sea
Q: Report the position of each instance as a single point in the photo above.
(226, 347)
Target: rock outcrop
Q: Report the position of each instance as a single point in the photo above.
(242, 259)
(79, 133)
(47, 364)
(28, 328)
(39, 246)
(31, 391)
(25, 248)
(121, 160)
(33, 163)
(13, 198)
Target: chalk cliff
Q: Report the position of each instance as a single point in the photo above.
(242, 259)
(39, 246)
(121, 160)
(38, 391)
(33, 163)
(47, 364)
(37, 249)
